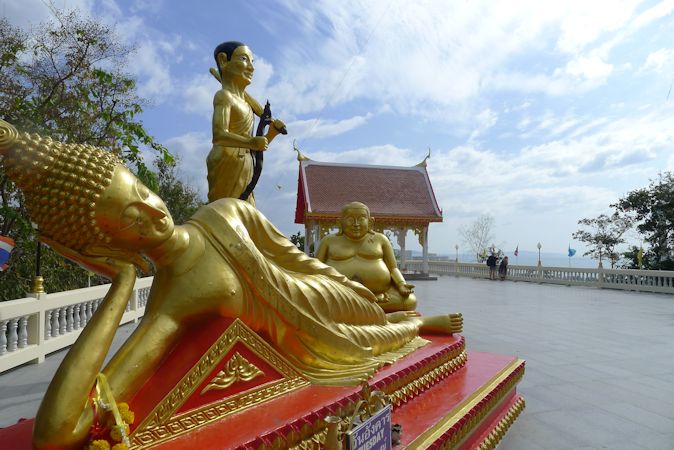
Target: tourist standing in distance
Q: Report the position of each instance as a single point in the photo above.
(503, 268)
(491, 263)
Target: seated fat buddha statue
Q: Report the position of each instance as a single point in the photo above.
(366, 256)
(227, 261)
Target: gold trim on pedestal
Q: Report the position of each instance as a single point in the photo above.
(162, 425)
(236, 369)
(502, 427)
(501, 384)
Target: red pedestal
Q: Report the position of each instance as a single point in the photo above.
(441, 397)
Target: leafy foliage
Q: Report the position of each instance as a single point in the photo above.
(652, 208)
(64, 79)
(604, 234)
(181, 199)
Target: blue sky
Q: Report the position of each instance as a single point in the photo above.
(537, 112)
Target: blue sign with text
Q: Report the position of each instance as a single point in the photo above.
(373, 434)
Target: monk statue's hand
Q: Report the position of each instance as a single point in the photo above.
(277, 127)
(406, 289)
(259, 143)
(108, 266)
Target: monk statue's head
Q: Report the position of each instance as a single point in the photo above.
(234, 61)
(81, 196)
(355, 221)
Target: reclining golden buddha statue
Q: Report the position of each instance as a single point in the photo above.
(227, 261)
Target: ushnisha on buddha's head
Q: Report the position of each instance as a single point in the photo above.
(82, 196)
(355, 221)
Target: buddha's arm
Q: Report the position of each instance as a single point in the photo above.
(322, 253)
(222, 109)
(65, 415)
(390, 261)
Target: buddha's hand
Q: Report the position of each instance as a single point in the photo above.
(405, 289)
(108, 266)
(258, 143)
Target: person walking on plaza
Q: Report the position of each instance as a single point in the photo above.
(503, 268)
(491, 263)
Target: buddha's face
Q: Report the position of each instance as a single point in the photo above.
(355, 223)
(131, 214)
(240, 65)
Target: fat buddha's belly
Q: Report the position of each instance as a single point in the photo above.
(372, 273)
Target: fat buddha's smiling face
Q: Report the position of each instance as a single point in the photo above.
(355, 223)
(131, 214)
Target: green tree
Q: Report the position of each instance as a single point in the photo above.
(652, 208)
(604, 234)
(64, 79)
(181, 199)
(631, 259)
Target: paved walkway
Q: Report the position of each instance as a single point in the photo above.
(600, 363)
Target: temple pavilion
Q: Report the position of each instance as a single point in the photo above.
(400, 199)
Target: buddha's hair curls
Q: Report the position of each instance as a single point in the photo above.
(61, 184)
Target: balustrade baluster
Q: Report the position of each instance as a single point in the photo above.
(47, 323)
(23, 332)
(3, 336)
(76, 316)
(69, 320)
(63, 321)
(89, 306)
(54, 322)
(12, 336)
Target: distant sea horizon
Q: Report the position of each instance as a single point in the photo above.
(529, 258)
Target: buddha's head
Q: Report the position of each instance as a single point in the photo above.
(355, 221)
(235, 62)
(81, 196)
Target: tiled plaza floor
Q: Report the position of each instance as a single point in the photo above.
(600, 363)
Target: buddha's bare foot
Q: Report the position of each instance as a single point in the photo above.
(399, 316)
(447, 324)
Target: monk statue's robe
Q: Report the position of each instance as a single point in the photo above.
(230, 169)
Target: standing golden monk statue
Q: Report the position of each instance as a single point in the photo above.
(230, 163)
(227, 261)
(366, 256)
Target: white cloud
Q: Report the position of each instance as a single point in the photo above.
(192, 149)
(484, 120)
(659, 60)
(322, 128)
(198, 95)
(591, 68)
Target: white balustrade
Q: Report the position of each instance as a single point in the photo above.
(625, 279)
(32, 328)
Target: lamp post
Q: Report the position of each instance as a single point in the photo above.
(539, 253)
(38, 281)
(456, 247)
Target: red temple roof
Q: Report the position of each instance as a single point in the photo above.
(392, 193)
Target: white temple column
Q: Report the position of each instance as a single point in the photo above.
(424, 246)
(307, 237)
(402, 234)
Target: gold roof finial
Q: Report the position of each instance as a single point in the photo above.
(300, 155)
(424, 163)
